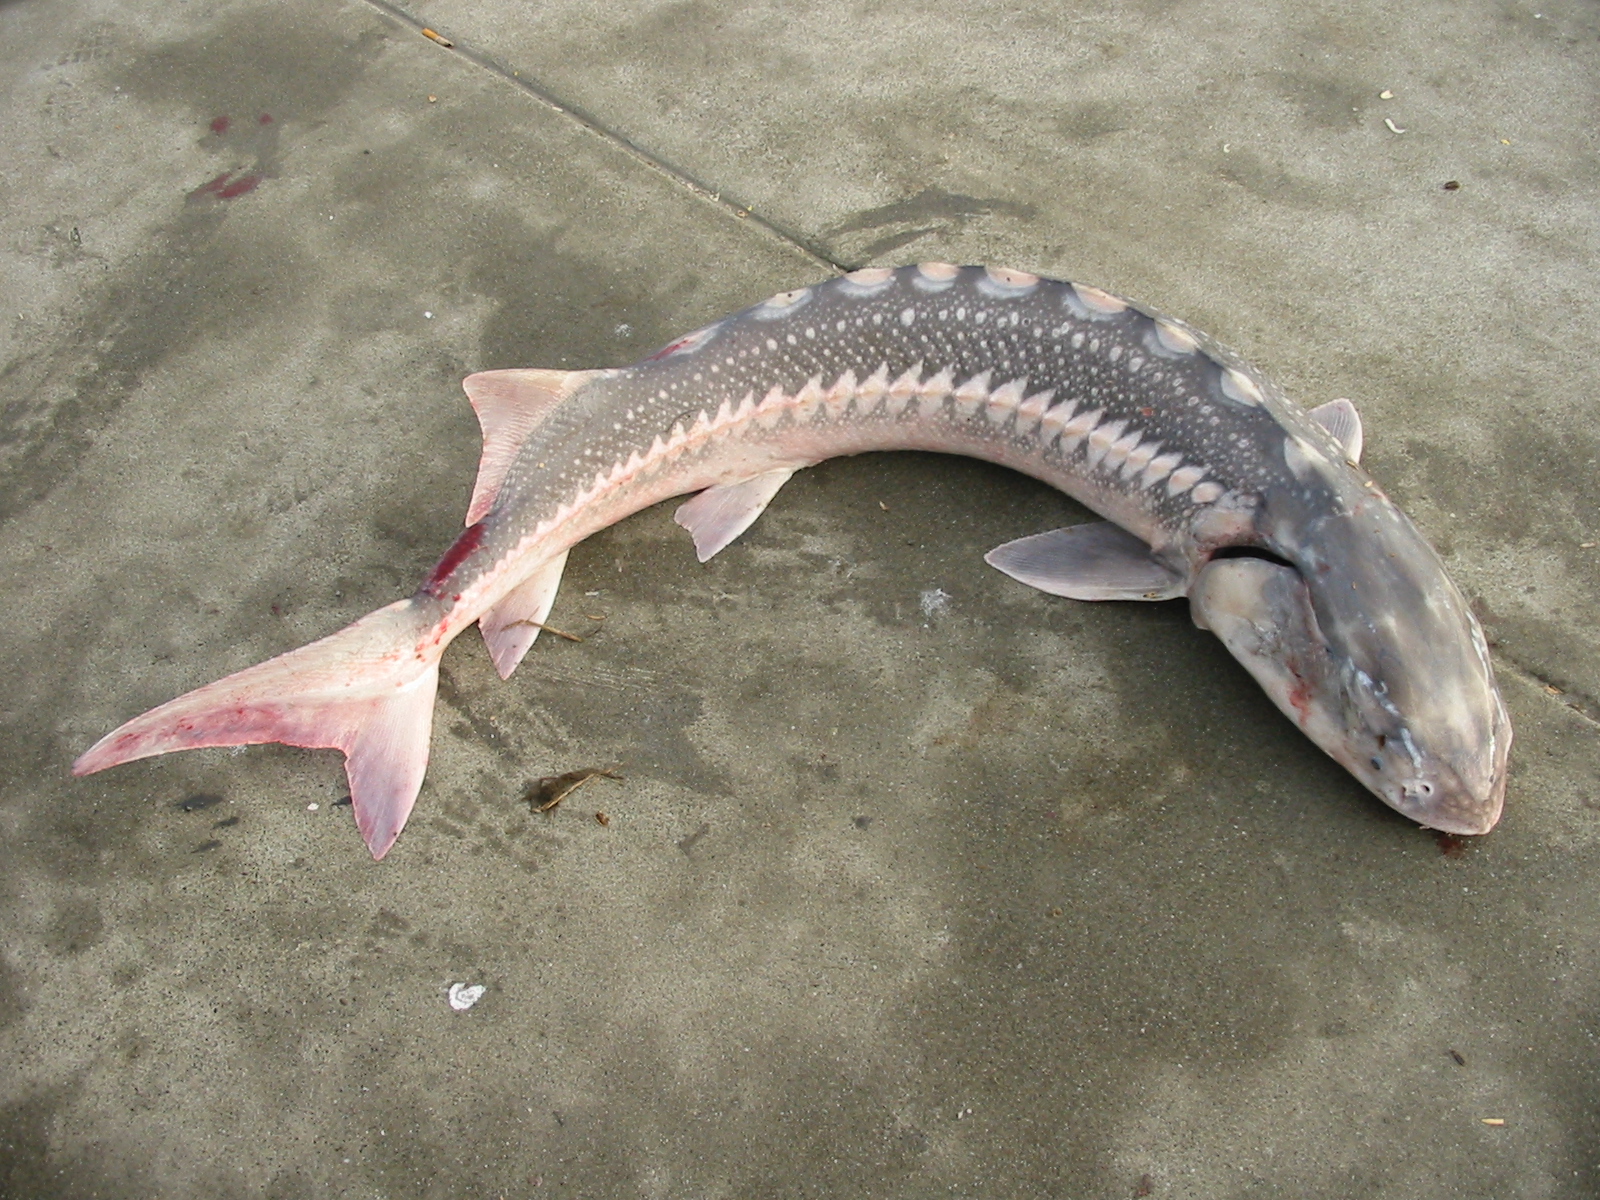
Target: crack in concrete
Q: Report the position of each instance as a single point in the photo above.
(677, 175)
(1581, 703)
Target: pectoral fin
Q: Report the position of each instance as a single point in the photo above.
(1097, 561)
(719, 514)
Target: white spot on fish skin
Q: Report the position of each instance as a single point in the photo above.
(902, 389)
(1175, 340)
(782, 304)
(1004, 399)
(1006, 283)
(1114, 353)
(1031, 411)
(772, 344)
(868, 281)
(1239, 387)
(972, 393)
(1077, 340)
(1100, 441)
(1092, 302)
(1183, 479)
(1205, 493)
(907, 316)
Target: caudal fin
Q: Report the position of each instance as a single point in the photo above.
(367, 690)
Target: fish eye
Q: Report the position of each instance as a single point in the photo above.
(1377, 763)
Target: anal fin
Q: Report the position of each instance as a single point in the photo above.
(511, 626)
(719, 514)
(1097, 561)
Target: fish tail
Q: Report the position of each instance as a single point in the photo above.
(367, 690)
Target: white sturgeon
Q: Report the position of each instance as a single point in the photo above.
(1215, 486)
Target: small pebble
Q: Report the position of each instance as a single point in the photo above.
(463, 997)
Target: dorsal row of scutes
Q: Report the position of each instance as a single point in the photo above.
(510, 404)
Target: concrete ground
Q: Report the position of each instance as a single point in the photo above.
(918, 882)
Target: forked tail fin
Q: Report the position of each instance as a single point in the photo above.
(367, 690)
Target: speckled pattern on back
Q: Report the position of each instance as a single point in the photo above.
(1135, 413)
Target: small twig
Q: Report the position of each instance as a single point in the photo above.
(553, 789)
(571, 637)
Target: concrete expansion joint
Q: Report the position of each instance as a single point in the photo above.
(452, 44)
(1582, 704)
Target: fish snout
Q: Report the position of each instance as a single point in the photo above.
(1444, 799)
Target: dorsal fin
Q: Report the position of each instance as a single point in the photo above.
(1340, 418)
(510, 405)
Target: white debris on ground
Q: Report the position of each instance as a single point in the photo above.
(464, 996)
(935, 601)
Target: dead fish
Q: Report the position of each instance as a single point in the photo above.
(1215, 486)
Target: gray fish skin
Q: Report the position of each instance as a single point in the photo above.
(1219, 487)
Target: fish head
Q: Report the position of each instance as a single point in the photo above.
(1368, 647)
